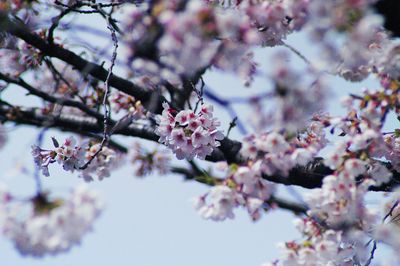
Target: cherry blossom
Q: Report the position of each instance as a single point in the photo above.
(223, 200)
(147, 162)
(294, 98)
(101, 165)
(155, 87)
(74, 157)
(323, 247)
(279, 154)
(188, 32)
(16, 57)
(340, 200)
(48, 226)
(189, 134)
(243, 186)
(69, 155)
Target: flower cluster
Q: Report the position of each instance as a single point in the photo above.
(177, 34)
(16, 57)
(388, 62)
(274, 20)
(133, 110)
(243, 186)
(359, 52)
(223, 201)
(147, 162)
(321, 247)
(340, 15)
(279, 153)
(296, 97)
(362, 139)
(45, 226)
(73, 157)
(69, 155)
(101, 165)
(362, 51)
(188, 134)
(341, 200)
(121, 101)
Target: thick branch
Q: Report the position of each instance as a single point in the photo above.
(228, 147)
(307, 177)
(310, 176)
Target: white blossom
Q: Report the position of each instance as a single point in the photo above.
(51, 227)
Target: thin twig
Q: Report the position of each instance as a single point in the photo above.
(372, 253)
(232, 124)
(391, 210)
(297, 52)
(106, 92)
(36, 173)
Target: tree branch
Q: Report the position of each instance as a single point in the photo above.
(49, 98)
(294, 207)
(309, 176)
(19, 30)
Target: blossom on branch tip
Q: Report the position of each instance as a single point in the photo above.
(188, 134)
(105, 160)
(73, 156)
(243, 187)
(279, 152)
(222, 202)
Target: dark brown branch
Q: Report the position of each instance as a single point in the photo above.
(19, 30)
(230, 148)
(372, 253)
(310, 176)
(307, 177)
(50, 98)
(390, 10)
(296, 208)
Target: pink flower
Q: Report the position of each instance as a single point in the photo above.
(189, 134)
(355, 167)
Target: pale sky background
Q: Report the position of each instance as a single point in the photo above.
(150, 221)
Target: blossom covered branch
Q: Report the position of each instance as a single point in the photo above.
(153, 89)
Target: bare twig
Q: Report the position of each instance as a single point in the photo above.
(391, 211)
(36, 173)
(232, 124)
(372, 253)
(297, 52)
(106, 92)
